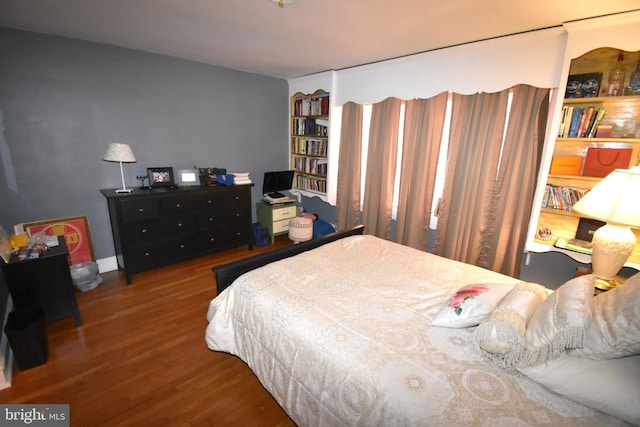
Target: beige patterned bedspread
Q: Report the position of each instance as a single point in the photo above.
(340, 336)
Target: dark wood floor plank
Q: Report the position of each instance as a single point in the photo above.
(139, 357)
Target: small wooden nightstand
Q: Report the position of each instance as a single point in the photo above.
(276, 218)
(45, 281)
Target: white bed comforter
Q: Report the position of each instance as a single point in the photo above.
(340, 336)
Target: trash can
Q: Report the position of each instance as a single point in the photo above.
(27, 335)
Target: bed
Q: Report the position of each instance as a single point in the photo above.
(355, 330)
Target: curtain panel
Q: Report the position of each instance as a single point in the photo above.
(490, 180)
(477, 127)
(502, 245)
(423, 127)
(381, 167)
(349, 167)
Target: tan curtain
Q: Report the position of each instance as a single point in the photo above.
(423, 125)
(349, 167)
(512, 196)
(472, 160)
(381, 167)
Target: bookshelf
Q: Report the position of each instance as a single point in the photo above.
(309, 147)
(595, 133)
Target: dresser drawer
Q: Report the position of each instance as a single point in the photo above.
(285, 212)
(180, 223)
(280, 226)
(138, 210)
(144, 231)
(177, 204)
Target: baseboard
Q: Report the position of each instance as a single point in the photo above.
(107, 264)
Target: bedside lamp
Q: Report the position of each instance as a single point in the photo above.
(121, 153)
(615, 200)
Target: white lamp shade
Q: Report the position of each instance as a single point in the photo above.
(615, 199)
(117, 152)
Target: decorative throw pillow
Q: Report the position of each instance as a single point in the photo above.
(615, 324)
(611, 386)
(470, 305)
(560, 322)
(501, 336)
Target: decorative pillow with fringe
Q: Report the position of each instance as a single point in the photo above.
(561, 321)
(615, 324)
(470, 305)
(501, 337)
(610, 386)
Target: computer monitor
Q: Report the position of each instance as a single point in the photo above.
(275, 182)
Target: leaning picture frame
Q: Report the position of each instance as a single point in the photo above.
(160, 177)
(76, 233)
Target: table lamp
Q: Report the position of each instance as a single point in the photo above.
(616, 201)
(121, 153)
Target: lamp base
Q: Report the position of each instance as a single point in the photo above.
(124, 190)
(605, 284)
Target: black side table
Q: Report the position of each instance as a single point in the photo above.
(45, 281)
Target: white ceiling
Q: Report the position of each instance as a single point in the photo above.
(304, 38)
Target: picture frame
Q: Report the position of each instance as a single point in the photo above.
(160, 177)
(188, 177)
(76, 233)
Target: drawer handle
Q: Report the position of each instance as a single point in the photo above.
(177, 205)
(237, 197)
(210, 219)
(147, 254)
(212, 239)
(181, 246)
(237, 215)
(144, 230)
(140, 209)
(179, 224)
(209, 201)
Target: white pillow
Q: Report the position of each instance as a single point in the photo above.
(615, 324)
(470, 305)
(501, 336)
(561, 321)
(611, 386)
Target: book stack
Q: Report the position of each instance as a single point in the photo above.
(578, 122)
(561, 198)
(241, 178)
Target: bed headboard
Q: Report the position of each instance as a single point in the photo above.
(227, 273)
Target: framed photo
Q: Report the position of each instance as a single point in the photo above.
(76, 234)
(160, 177)
(188, 177)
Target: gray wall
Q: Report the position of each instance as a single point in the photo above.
(63, 101)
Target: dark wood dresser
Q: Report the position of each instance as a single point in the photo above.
(157, 227)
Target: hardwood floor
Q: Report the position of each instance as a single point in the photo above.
(140, 359)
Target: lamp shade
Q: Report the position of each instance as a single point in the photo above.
(615, 199)
(117, 152)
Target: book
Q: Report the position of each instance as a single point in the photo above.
(596, 122)
(575, 122)
(585, 121)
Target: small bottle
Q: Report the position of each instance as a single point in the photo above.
(634, 82)
(616, 78)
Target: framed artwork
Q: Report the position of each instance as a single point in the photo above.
(160, 177)
(76, 234)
